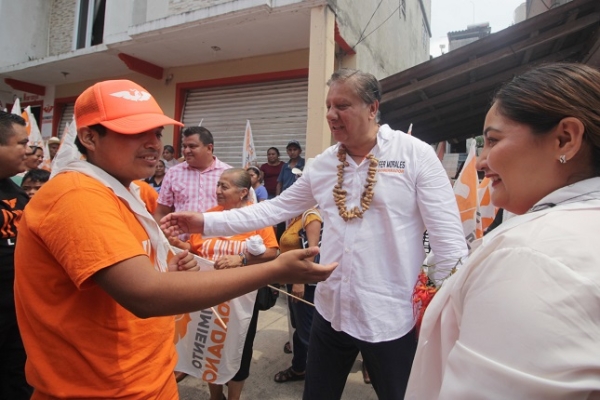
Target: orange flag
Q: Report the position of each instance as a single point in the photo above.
(465, 190)
(486, 208)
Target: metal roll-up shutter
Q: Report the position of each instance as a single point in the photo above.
(66, 117)
(277, 112)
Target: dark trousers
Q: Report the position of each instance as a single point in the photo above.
(302, 315)
(279, 229)
(331, 355)
(12, 353)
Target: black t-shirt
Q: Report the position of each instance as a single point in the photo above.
(12, 202)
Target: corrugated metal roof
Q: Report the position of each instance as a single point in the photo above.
(447, 97)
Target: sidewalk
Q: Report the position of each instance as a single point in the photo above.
(268, 359)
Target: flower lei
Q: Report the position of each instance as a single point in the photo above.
(339, 194)
(424, 291)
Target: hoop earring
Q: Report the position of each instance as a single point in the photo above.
(562, 159)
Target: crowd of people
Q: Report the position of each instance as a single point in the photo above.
(518, 318)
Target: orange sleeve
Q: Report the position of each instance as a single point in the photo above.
(268, 236)
(89, 229)
(196, 240)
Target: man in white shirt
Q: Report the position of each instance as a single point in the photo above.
(378, 190)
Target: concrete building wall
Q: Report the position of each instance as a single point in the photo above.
(118, 18)
(62, 26)
(396, 38)
(180, 6)
(520, 13)
(165, 94)
(25, 24)
(536, 7)
(395, 41)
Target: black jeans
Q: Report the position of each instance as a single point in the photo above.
(302, 315)
(331, 355)
(12, 354)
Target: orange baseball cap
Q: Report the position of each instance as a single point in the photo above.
(120, 105)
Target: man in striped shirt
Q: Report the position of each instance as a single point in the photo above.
(192, 184)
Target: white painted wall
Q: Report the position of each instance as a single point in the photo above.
(394, 45)
(25, 24)
(117, 19)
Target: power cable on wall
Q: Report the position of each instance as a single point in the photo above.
(360, 38)
(378, 26)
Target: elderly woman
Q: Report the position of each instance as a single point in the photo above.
(521, 319)
(233, 252)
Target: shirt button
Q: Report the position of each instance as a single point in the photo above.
(347, 250)
(345, 280)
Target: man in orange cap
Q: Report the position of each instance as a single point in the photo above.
(92, 301)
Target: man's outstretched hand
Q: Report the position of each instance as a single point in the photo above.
(176, 223)
(294, 266)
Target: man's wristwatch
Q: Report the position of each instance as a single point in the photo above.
(243, 258)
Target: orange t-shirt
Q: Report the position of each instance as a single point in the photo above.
(80, 342)
(148, 195)
(215, 247)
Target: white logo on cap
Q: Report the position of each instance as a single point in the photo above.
(133, 95)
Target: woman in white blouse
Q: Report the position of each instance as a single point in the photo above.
(521, 319)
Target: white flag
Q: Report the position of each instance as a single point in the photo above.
(16, 108)
(248, 154)
(206, 349)
(35, 136)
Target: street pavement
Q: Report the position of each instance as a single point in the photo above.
(268, 359)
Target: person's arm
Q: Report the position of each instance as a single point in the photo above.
(237, 260)
(313, 234)
(439, 211)
(137, 286)
(292, 202)
(279, 181)
(161, 211)
(164, 204)
(261, 193)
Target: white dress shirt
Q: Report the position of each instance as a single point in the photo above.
(521, 319)
(369, 295)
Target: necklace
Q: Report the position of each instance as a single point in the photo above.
(339, 194)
